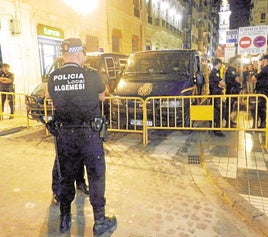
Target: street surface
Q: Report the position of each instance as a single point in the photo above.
(152, 190)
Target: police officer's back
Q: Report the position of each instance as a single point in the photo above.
(233, 86)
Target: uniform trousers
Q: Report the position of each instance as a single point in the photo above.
(56, 177)
(76, 145)
(10, 99)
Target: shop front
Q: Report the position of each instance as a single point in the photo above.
(49, 40)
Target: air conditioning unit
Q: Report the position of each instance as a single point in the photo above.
(15, 26)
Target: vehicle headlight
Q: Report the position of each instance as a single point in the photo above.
(171, 103)
(121, 85)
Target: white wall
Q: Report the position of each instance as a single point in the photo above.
(20, 51)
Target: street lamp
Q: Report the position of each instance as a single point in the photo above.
(83, 6)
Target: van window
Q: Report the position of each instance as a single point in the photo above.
(164, 62)
(110, 67)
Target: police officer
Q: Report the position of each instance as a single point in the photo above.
(233, 86)
(261, 79)
(6, 85)
(216, 86)
(76, 92)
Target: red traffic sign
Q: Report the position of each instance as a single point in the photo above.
(259, 41)
(245, 42)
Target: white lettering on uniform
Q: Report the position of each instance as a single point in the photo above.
(73, 87)
(68, 76)
(72, 82)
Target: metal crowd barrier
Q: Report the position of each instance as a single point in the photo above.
(189, 113)
(186, 113)
(17, 100)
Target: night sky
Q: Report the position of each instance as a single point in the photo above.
(240, 15)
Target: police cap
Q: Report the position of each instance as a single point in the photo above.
(216, 61)
(72, 45)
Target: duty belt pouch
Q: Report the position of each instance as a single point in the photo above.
(99, 125)
(96, 124)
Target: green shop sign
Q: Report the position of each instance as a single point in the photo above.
(49, 31)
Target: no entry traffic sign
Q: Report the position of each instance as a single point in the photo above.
(245, 42)
(252, 39)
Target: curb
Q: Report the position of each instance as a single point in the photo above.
(250, 214)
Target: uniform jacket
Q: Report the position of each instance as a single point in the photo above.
(232, 86)
(214, 79)
(74, 91)
(262, 81)
(7, 87)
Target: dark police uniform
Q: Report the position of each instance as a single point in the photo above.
(262, 88)
(214, 89)
(74, 91)
(232, 87)
(9, 87)
(56, 179)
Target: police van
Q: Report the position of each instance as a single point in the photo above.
(110, 65)
(153, 73)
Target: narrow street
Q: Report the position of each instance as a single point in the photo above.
(152, 190)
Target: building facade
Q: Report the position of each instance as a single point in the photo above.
(259, 12)
(31, 31)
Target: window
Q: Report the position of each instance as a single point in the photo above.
(92, 43)
(263, 16)
(116, 40)
(136, 9)
(48, 50)
(135, 43)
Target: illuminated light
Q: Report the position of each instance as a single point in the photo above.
(121, 84)
(245, 60)
(249, 143)
(165, 6)
(155, 2)
(178, 17)
(172, 11)
(83, 6)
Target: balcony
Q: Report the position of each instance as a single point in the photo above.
(164, 24)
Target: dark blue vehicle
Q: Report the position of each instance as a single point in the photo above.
(159, 73)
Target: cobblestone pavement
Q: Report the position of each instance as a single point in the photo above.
(152, 190)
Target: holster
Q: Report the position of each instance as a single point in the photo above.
(51, 125)
(100, 125)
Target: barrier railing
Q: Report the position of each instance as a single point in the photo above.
(189, 113)
(186, 113)
(13, 101)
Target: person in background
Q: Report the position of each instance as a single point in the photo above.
(248, 83)
(216, 86)
(261, 79)
(7, 85)
(233, 86)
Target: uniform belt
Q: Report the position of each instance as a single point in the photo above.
(71, 125)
